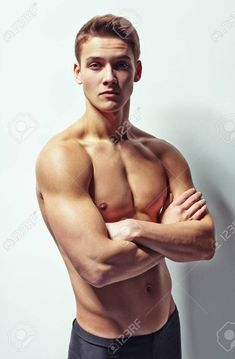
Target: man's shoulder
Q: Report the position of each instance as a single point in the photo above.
(54, 148)
(158, 146)
(174, 163)
(170, 156)
(61, 157)
(63, 144)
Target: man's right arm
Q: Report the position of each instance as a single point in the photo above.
(63, 175)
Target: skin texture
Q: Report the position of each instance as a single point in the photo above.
(102, 172)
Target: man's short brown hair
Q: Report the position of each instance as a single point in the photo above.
(108, 25)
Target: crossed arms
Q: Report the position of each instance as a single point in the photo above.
(63, 175)
(186, 231)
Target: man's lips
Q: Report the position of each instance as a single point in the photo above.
(110, 92)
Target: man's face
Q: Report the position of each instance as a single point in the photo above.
(107, 64)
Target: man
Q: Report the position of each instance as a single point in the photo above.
(118, 201)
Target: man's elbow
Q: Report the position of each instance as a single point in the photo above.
(99, 281)
(211, 251)
(209, 240)
(210, 248)
(93, 275)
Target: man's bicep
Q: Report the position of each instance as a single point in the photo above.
(63, 177)
(180, 178)
(178, 171)
(77, 225)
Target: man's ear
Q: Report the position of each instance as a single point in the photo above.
(77, 73)
(138, 71)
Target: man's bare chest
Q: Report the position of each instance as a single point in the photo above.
(128, 181)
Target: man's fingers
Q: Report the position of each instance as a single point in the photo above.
(195, 207)
(200, 213)
(194, 198)
(184, 196)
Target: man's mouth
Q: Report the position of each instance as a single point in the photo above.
(109, 93)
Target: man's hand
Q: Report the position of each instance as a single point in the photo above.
(125, 229)
(187, 206)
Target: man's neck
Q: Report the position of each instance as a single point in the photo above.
(106, 125)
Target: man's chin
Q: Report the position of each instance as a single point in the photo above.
(109, 106)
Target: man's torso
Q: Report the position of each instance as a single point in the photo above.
(128, 181)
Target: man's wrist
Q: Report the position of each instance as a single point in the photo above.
(135, 228)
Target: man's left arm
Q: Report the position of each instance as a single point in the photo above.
(181, 241)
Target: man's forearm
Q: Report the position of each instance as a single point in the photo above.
(122, 260)
(180, 242)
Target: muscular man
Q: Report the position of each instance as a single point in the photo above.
(118, 201)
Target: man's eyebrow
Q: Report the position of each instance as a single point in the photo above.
(101, 58)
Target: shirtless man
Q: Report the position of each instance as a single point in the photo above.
(118, 201)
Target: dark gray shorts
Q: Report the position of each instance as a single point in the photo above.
(165, 343)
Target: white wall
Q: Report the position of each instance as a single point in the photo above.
(186, 96)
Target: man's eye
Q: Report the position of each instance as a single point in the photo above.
(94, 65)
(124, 65)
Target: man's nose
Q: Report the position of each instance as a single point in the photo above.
(109, 75)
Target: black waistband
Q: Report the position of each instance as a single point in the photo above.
(78, 330)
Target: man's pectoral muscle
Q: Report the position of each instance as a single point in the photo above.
(182, 241)
(63, 176)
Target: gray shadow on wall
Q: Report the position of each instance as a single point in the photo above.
(209, 286)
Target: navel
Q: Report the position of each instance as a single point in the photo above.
(148, 288)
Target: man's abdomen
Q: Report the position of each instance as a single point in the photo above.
(140, 305)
